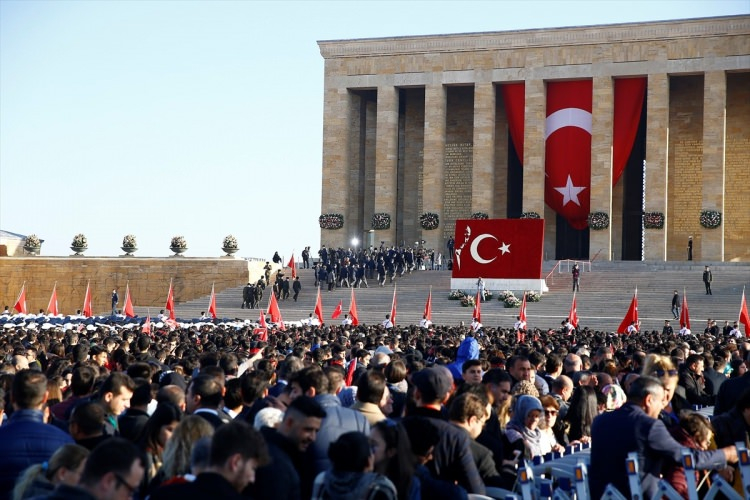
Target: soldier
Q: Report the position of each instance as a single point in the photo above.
(246, 296)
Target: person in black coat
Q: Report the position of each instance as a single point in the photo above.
(297, 287)
(236, 451)
(730, 391)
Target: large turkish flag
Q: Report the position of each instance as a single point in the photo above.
(498, 248)
(567, 186)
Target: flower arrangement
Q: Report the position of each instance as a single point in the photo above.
(710, 219)
(429, 220)
(653, 220)
(504, 295)
(129, 241)
(468, 301)
(331, 221)
(598, 221)
(381, 221)
(178, 242)
(32, 241)
(488, 294)
(80, 241)
(532, 296)
(480, 215)
(530, 215)
(230, 242)
(456, 295)
(512, 301)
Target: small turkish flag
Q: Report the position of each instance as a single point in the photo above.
(498, 248)
(573, 314)
(477, 308)
(20, 304)
(522, 312)
(88, 308)
(275, 312)
(337, 311)
(631, 315)
(170, 301)
(319, 308)
(744, 316)
(353, 310)
(684, 313)
(428, 307)
(147, 325)
(293, 266)
(52, 306)
(393, 307)
(567, 183)
(127, 309)
(212, 303)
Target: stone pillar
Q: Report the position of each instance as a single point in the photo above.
(483, 182)
(533, 147)
(433, 163)
(336, 196)
(657, 153)
(386, 161)
(714, 139)
(600, 242)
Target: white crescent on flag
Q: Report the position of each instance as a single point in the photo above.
(568, 117)
(474, 248)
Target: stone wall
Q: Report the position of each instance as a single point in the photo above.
(148, 279)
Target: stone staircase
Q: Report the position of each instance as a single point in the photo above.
(604, 298)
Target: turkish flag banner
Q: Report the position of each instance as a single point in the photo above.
(88, 308)
(127, 309)
(498, 248)
(684, 313)
(338, 310)
(170, 301)
(573, 314)
(319, 308)
(212, 303)
(353, 310)
(522, 311)
(631, 316)
(567, 185)
(744, 315)
(293, 266)
(20, 304)
(428, 307)
(52, 306)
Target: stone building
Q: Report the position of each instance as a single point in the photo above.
(422, 124)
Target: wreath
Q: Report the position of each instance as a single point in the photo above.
(381, 221)
(653, 220)
(530, 215)
(598, 221)
(710, 219)
(480, 215)
(429, 220)
(331, 221)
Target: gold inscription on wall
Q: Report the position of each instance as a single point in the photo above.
(688, 181)
(735, 204)
(457, 184)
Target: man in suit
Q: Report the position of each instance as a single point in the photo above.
(707, 279)
(635, 427)
(676, 305)
(246, 296)
(730, 391)
(204, 399)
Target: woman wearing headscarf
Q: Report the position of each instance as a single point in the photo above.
(524, 426)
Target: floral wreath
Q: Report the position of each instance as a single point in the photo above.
(178, 242)
(32, 241)
(381, 221)
(710, 219)
(129, 241)
(480, 215)
(80, 241)
(229, 242)
(530, 215)
(331, 221)
(429, 220)
(653, 220)
(598, 221)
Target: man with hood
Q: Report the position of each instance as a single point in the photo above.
(469, 349)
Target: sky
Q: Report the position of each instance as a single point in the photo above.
(203, 119)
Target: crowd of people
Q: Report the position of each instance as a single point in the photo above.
(104, 410)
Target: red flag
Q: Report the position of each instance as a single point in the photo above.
(337, 311)
(263, 328)
(353, 310)
(573, 314)
(350, 370)
(262, 320)
(147, 325)
(127, 310)
(568, 150)
(477, 308)
(52, 306)
(20, 304)
(428, 307)
(170, 301)
(498, 248)
(275, 312)
(319, 308)
(684, 313)
(393, 307)
(294, 268)
(522, 312)
(744, 316)
(631, 315)
(212, 303)
(88, 308)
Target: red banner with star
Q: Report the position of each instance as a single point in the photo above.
(567, 135)
(498, 248)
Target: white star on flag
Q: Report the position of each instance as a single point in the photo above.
(505, 248)
(570, 192)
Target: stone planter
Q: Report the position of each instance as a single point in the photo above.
(32, 250)
(129, 251)
(178, 250)
(78, 250)
(230, 251)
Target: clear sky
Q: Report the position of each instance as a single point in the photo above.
(201, 119)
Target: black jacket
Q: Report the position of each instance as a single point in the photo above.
(279, 479)
(206, 485)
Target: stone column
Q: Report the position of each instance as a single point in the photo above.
(533, 147)
(386, 161)
(433, 163)
(714, 139)
(600, 242)
(336, 196)
(483, 182)
(657, 153)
